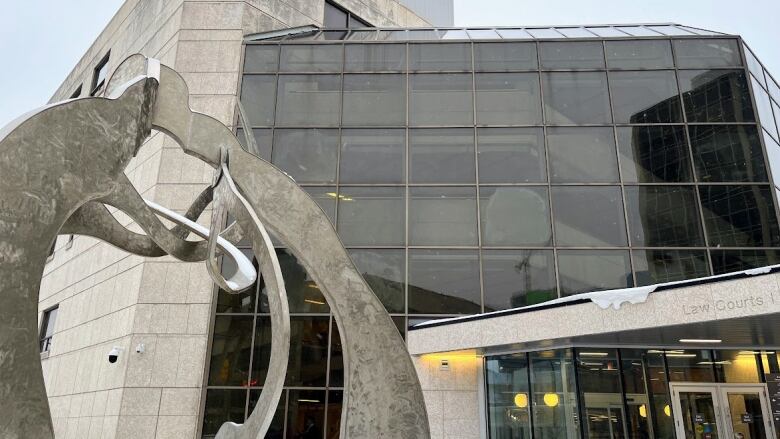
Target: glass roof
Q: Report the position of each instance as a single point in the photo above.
(483, 33)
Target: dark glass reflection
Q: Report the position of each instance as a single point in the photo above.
(582, 155)
(654, 154)
(663, 216)
(335, 400)
(554, 394)
(444, 282)
(336, 378)
(311, 58)
(666, 265)
(576, 98)
(303, 294)
(305, 414)
(308, 100)
(441, 99)
(707, 53)
(690, 365)
(509, 401)
(581, 271)
(764, 108)
(511, 155)
(645, 97)
(729, 261)
(263, 141)
(508, 99)
(308, 155)
(258, 92)
(261, 58)
(571, 55)
(647, 394)
(514, 216)
(375, 57)
(442, 216)
(439, 56)
(727, 153)
(588, 216)
(308, 361)
(372, 215)
(276, 429)
(739, 216)
(504, 56)
(600, 393)
(372, 156)
(442, 155)
(374, 100)
(385, 272)
(639, 54)
(231, 350)
(223, 405)
(515, 278)
(716, 96)
(261, 351)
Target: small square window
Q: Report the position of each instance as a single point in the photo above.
(47, 328)
(99, 75)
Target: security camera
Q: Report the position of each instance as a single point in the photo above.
(113, 355)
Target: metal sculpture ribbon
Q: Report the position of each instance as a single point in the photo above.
(63, 164)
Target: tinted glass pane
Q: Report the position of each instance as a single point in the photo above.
(571, 55)
(576, 98)
(440, 56)
(372, 156)
(515, 278)
(309, 156)
(647, 54)
(261, 352)
(442, 216)
(544, 33)
(600, 392)
(663, 216)
(276, 429)
(514, 216)
(309, 100)
(582, 155)
(728, 261)
(444, 99)
(508, 396)
(727, 153)
(335, 18)
(774, 89)
(504, 56)
(581, 271)
(739, 216)
(375, 57)
(645, 97)
(764, 108)
(311, 58)
(691, 366)
(508, 99)
(646, 383)
(308, 351)
(442, 155)
(444, 282)
(258, 93)
(589, 216)
(263, 141)
(223, 405)
(260, 59)
(511, 155)
(377, 100)
(554, 393)
(773, 156)
(230, 351)
(654, 154)
(701, 54)
(716, 96)
(305, 414)
(303, 294)
(657, 266)
(385, 272)
(336, 378)
(371, 215)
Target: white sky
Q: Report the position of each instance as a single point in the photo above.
(41, 40)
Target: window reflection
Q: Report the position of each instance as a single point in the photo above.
(442, 216)
(729, 261)
(571, 55)
(509, 401)
(385, 272)
(690, 365)
(639, 54)
(231, 350)
(303, 294)
(727, 153)
(311, 58)
(738, 366)
(306, 414)
(514, 216)
(647, 394)
(439, 56)
(515, 278)
(371, 215)
(667, 265)
(645, 97)
(654, 154)
(601, 395)
(582, 155)
(508, 99)
(308, 100)
(372, 156)
(554, 395)
(504, 56)
(700, 54)
(511, 155)
(739, 216)
(444, 155)
(374, 100)
(576, 98)
(581, 271)
(716, 96)
(441, 99)
(375, 57)
(444, 282)
(223, 405)
(308, 358)
(663, 216)
(588, 216)
(307, 155)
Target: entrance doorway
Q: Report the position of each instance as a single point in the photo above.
(721, 411)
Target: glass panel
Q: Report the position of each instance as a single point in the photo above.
(589, 216)
(601, 395)
(729, 261)
(435, 57)
(385, 272)
(554, 395)
(727, 153)
(639, 54)
(276, 429)
(638, 31)
(303, 294)
(716, 96)
(236, 303)
(508, 401)
(512, 155)
(670, 30)
(309, 100)
(517, 34)
(647, 394)
(658, 266)
(607, 31)
(483, 34)
(308, 351)
(746, 414)
(444, 282)
(392, 35)
(335, 399)
(702, 54)
(336, 378)
(774, 89)
(443, 155)
(515, 278)
(582, 271)
(773, 155)
(375, 57)
(372, 156)
(575, 32)
(740, 366)
(258, 94)
(305, 414)
(576, 98)
(372, 215)
(442, 216)
(504, 56)
(645, 97)
(361, 35)
(690, 366)
(261, 351)
(698, 415)
(541, 33)
(764, 108)
(325, 197)
(374, 100)
(739, 216)
(571, 55)
(663, 216)
(261, 58)
(441, 99)
(455, 34)
(415, 34)
(230, 351)
(335, 18)
(508, 99)
(311, 58)
(754, 66)
(654, 154)
(223, 405)
(515, 216)
(263, 140)
(308, 155)
(580, 155)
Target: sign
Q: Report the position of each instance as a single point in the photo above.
(698, 418)
(773, 386)
(747, 418)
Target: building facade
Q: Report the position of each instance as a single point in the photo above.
(468, 171)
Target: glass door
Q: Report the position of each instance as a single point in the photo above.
(697, 412)
(747, 411)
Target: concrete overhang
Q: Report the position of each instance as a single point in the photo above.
(740, 309)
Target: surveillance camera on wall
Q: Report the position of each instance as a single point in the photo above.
(113, 355)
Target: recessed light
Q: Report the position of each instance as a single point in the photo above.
(593, 354)
(700, 340)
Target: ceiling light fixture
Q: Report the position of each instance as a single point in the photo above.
(700, 340)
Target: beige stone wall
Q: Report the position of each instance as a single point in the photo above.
(109, 298)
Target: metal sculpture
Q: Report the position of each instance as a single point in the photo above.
(61, 165)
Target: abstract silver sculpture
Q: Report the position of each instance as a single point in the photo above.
(61, 165)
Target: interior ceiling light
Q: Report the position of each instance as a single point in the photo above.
(700, 340)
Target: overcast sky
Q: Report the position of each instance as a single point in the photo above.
(41, 40)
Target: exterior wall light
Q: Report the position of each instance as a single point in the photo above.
(521, 400)
(643, 411)
(667, 410)
(551, 399)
